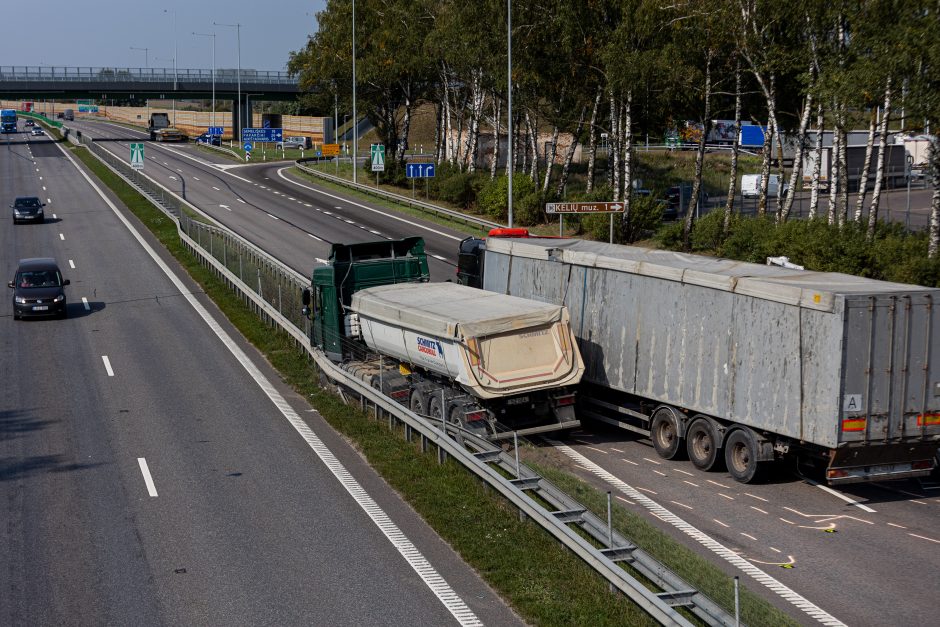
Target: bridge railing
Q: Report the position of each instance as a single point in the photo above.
(21, 73)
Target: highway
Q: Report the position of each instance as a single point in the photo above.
(153, 468)
(852, 560)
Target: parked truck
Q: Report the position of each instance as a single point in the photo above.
(762, 363)
(7, 121)
(490, 363)
(161, 131)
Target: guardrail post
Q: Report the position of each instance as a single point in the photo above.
(515, 446)
(737, 603)
(280, 308)
(610, 523)
(241, 274)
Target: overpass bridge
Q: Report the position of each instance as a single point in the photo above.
(141, 84)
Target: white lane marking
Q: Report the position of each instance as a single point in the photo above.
(346, 221)
(625, 500)
(898, 526)
(730, 498)
(216, 188)
(85, 303)
(682, 505)
(747, 535)
(291, 198)
(62, 237)
(241, 201)
(704, 539)
(754, 496)
(361, 206)
(377, 233)
(684, 473)
(695, 485)
(775, 550)
(195, 178)
(327, 213)
(48, 201)
(720, 485)
(314, 237)
(647, 490)
(757, 509)
(261, 186)
(659, 472)
(278, 193)
(628, 461)
(323, 261)
(71, 264)
(165, 163)
(107, 365)
(439, 257)
(272, 216)
(839, 495)
(178, 170)
(151, 488)
(225, 207)
(721, 523)
(652, 461)
(172, 178)
(307, 204)
(914, 535)
(438, 585)
(44, 188)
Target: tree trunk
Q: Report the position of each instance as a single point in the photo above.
(834, 160)
(532, 129)
(627, 129)
(569, 156)
(497, 105)
(511, 142)
(592, 141)
(797, 158)
(933, 165)
(735, 149)
(405, 128)
(439, 134)
(700, 155)
(448, 118)
(613, 149)
(842, 200)
(765, 171)
(550, 160)
(882, 161)
(817, 163)
(863, 177)
(476, 112)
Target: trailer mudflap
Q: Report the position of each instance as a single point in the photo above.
(900, 460)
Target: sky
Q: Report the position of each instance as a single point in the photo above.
(101, 33)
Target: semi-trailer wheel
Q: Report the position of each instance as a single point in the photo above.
(418, 403)
(701, 442)
(664, 431)
(435, 410)
(741, 456)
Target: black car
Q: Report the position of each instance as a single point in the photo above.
(28, 122)
(206, 138)
(38, 289)
(28, 209)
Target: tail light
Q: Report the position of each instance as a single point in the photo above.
(400, 395)
(835, 473)
(924, 464)
(563, 401)
(476, 416)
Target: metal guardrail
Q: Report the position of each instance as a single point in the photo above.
(402, 200)
(273, 291)
(115, 74)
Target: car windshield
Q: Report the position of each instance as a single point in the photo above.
(39, 278)
(28, 203)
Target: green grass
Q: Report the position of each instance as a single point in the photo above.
(545, 583)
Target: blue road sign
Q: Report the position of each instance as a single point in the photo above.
(419, 170)
(262, 134)
(216, 130)
(248, 146)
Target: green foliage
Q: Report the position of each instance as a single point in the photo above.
(646, 214)
(493, 195)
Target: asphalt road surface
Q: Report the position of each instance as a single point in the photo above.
(153, 470)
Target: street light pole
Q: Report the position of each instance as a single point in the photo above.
(355, 118)
(509, 101)
(175, 70)
(213, 70)
(146, 55)
(238, 38)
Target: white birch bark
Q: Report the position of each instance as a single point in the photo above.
(842, 199)
(532, 133)
(613, 150)
(882, 161)
(405, 129)
(797, 159)
(735, 149)
(834, 178)
(497, 105)
(476, 112)
(765, 170)
(863, 176)
(817, 163)
(933, 165)
(592, 141)
(439, 133)
(569, 156)
(550, 160)
(627, 128)
(700, 154)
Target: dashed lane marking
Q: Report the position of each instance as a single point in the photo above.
(148, 480)
(914, 535)
(721, 523)
(85, 304)
(107, 365)
(71, 264)
(757, 509)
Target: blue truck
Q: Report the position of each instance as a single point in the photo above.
(7, 121)
(752, 136)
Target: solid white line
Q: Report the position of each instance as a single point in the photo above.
(405, 547)
(702, 538)
(151, 488)
(839, 495)
(71, 264)
(355, 204)
(61, 237)
(107, 365)
(898, 526)
(914, 535)
(85, 303)
(314, 237)
(241, 201)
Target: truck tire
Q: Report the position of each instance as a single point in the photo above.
(741, 456)
(418, 403)
(435, 410)
(701, 442)
(664, 431)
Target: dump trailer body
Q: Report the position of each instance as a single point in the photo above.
(492, 345)
(848, 364)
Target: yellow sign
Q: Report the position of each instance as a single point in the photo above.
(330, 150)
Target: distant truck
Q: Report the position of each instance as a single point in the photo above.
(161, 131)
(68, 114)
(895, 167)
(708, 356)
(7, 121)
(490, 363)
(751, 183)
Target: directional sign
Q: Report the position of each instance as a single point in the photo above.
(137, 155)
(378, 157)
(330, 150)
(216, 130)
(262, 134)
(248, 146)
(584, 207)
(419, 170)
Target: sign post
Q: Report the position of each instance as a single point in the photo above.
(137, 155)
(247, 151)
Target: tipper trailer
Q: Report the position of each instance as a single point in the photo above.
(490, 363)
(764, 363)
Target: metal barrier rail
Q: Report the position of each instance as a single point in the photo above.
(272, 289)
(402, 200)
(116, 74)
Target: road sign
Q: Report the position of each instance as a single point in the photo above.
(248, 146)
(137, 155)
(378, 157)
(262, 134)
(330, 150)
(584, 207)
(216, 130)
(419, 170)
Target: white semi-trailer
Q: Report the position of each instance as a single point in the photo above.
(760, 363)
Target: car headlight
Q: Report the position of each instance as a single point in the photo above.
(20, 300)
(59, 298)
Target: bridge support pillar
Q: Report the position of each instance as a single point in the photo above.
(241, 116)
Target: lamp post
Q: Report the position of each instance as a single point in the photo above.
(175, 70)
(146, 55)
(238, 39)
(509, 102)
(213, 70)
(355, 118)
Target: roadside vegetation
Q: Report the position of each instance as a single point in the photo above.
(544, 583)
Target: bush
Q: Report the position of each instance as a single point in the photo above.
(707, 231)
(646, 214)
(491, 200)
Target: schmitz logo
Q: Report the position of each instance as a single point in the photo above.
(430, 347)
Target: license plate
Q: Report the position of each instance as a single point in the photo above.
(520, 400)
(41, 308)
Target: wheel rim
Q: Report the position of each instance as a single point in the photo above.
(740, 457)
(702, 445)
(666, 434)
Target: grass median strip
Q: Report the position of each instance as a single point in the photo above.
(545, 583)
